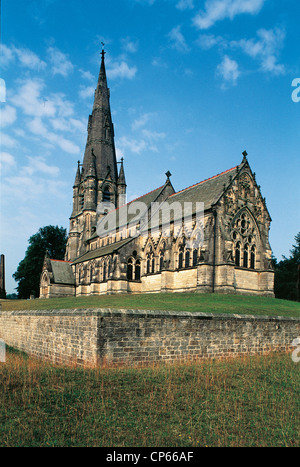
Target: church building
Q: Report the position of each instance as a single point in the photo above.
(210, 237)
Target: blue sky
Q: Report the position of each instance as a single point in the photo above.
(193, 84)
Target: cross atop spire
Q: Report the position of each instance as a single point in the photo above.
(103, 51)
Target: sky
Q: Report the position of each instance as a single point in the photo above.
(193, 84)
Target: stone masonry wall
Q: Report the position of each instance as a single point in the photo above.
(134, 337)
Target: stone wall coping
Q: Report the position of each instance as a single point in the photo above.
(110, 312)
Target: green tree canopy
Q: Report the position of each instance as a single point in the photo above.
(287, 274)
(49, 238)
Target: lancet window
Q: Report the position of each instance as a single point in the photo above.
(133, 269)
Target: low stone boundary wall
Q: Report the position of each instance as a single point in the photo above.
(134, 337)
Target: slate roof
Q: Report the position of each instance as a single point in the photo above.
(122, 212)
(103, 251)
(62, 272)
(208, 191)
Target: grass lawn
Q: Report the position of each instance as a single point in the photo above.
(252, 401)
(207, 303)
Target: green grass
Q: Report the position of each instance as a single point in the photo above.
(252, 401)
(208, 303)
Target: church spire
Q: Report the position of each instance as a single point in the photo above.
(100, 131)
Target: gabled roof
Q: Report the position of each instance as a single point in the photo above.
(62, 272)
(208, 191)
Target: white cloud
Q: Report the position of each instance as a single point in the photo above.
(133, 145)
(6, 56)
(177, 39)
(38, 164)
(7, 141)
(87, 75)
(23, 188)
(86, 91)
(31, 100)
(53, 109)
(152, 135)
(185, 5)
(217, 10)
(37, 127)
(129, 45)
(25, 57)
(229, 71)
(207, 41)
(29, 59)
(141, 121)
(121, 70)
(61, 65)
(6, 160)
(265, 48)
(8, 116)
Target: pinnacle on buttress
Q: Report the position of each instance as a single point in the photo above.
(121, 178)
(78, 176)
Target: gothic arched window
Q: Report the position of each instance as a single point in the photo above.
(246, 256)
(187, 258)
(129, 269)
(137, 273)
(195, 257)
(104, 272)
(180, 260)
(161, 262)
(237, 254)
(252, 258)
(153, 265)
(148, 265)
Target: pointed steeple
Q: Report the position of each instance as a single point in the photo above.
(101, 131)
(78, 176)
(121, 179)
(121, 186)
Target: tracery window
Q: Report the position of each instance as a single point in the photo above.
(244, 235)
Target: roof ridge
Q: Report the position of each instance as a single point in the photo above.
(203, 181)
(126, 204)
(60, 260)
(158, 188)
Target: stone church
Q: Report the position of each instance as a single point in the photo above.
(221, 246)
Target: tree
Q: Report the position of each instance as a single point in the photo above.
(287, 274)
(49, 238)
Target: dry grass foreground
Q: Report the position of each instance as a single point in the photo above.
(252, 401)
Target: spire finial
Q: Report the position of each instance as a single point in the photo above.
(103, 51)
(245, 154)
(168, 174)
